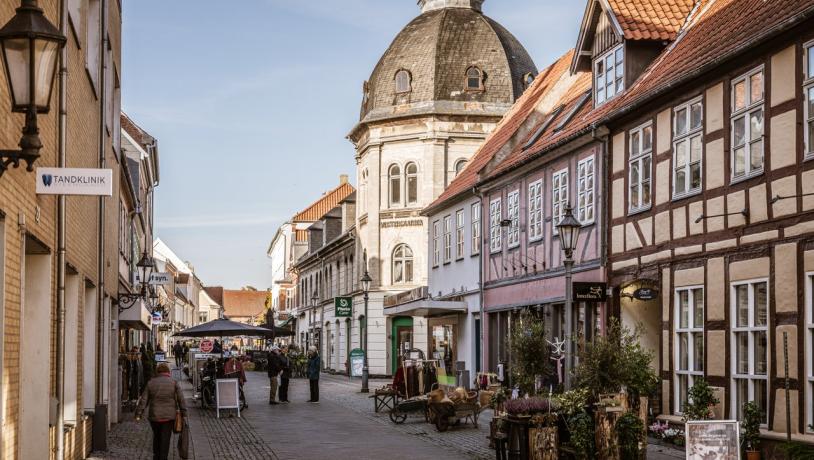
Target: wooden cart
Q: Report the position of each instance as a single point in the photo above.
(445, 413)
(413, 406)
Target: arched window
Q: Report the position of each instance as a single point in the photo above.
(474, 79)
(402, 264)
(395, 184)
(459, 166)
(403, 81)
(411, 178)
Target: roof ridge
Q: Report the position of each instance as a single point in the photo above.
(327, 195)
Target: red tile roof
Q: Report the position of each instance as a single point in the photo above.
(720, 30)
(651, 19)
(136, 132)
(506, 130)
(322, 206)
(243, 304)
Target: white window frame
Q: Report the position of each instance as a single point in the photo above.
(559, 198)
(586, 190)
(687, 137)
(640, 158)
(513, 214)
(619, 79)
(808, 86)
(690, 330)
(750, 108)
(476, 239)
(447, 238)
(436, 243)
(459, 234)
(809, 355)
(495, 241)
(751, 329)
(535, 218)
(410, 177)
(398, 186)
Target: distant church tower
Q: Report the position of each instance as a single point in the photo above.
(436, 93)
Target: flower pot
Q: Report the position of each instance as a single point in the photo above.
(752, 455)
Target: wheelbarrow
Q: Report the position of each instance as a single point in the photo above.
(414, 406)
(445, 413)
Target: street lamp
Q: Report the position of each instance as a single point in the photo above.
(146, 266)
(569, 233)
(366, 280)
(30, 46)
(312, 315)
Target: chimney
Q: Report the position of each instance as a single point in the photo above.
(343, 179)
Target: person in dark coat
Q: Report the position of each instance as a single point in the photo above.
(313, 374)
(178, 353)
(275, 367)
(285, 375)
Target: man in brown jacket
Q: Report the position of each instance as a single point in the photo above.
(164, 397)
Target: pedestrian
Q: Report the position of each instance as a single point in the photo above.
(275, 367)
(313, 374)
(233, 369)
(177, 352)
(285, 375)
(217, 347)
(165, 399)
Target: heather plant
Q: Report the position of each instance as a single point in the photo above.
(528, 406)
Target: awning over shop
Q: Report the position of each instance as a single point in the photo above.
(426, 308)
(135, 316)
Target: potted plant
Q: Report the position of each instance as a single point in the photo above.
(630, 435)
(750, 430)
(701, 400)
(530, 352)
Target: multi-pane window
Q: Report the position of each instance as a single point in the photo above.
(809, 343)
(687, 147)
(808, 94)
(394, 174)
(494, 226)
(747, 124)
(436, 243)
(641, 160)
(609, 75)
(402, 264)
(689, 342)
(459, 234)
(411, 179)
(513, 214)
(559, 197)
(750, 360)
(447, 238)
(585, 190)
(476, 228)
(535, 220)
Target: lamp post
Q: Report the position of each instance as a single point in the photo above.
(146, 266)
(569, 233)
(366, 280)
(311, 316)
(30, 46)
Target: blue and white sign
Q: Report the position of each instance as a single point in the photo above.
(74, 181)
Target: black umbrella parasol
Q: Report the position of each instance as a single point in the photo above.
(279, 331)
(224, 328)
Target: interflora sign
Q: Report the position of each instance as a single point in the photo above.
(74, 181)
(343, 307)
(590, 292)
(718, 439)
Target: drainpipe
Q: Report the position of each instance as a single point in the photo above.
(480, 285)
(100, 300)
(61, 233)
(601, 135)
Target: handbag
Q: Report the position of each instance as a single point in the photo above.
(183, 442)
(179, 418)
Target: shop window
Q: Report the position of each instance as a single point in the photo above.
(750, 356)
(808, 91)
(640, 167)
(559, 198)
(443, 349)
(535, 219)
(436, 243)
(495, 242)
(747, 125)
(402, 265)
(609, 75)
(403, 81)
(394, 179)
(474, 79)
(513, 214)
(459, 234)
(411, 179)
(476, 240)
(689, 342)
(447, 239)
(585, 191)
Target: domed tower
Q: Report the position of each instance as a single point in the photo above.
(434, 96)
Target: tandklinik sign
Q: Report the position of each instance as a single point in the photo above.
(74, 181)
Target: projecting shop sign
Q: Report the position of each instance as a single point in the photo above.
(74, 181)
(343, 307)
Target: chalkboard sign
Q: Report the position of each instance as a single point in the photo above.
(357, 362)
(718, 439)
(227, 395)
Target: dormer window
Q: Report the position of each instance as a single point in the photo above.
(403, 82)
(474, 79)
(528, 79)
(609, 75)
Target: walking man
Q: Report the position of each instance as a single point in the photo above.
(285, 375)
(313, 374)
(177, 352)
(275, 366)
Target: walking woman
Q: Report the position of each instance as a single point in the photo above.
(164, 397)
(313, 374)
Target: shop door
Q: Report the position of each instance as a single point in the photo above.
(402, 339)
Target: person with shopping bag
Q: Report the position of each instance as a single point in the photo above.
(167, 410)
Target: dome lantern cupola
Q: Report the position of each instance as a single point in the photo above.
(430, 5)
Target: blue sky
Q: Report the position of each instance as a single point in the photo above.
(251, 102)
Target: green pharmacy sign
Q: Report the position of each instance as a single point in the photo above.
(343, 307)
